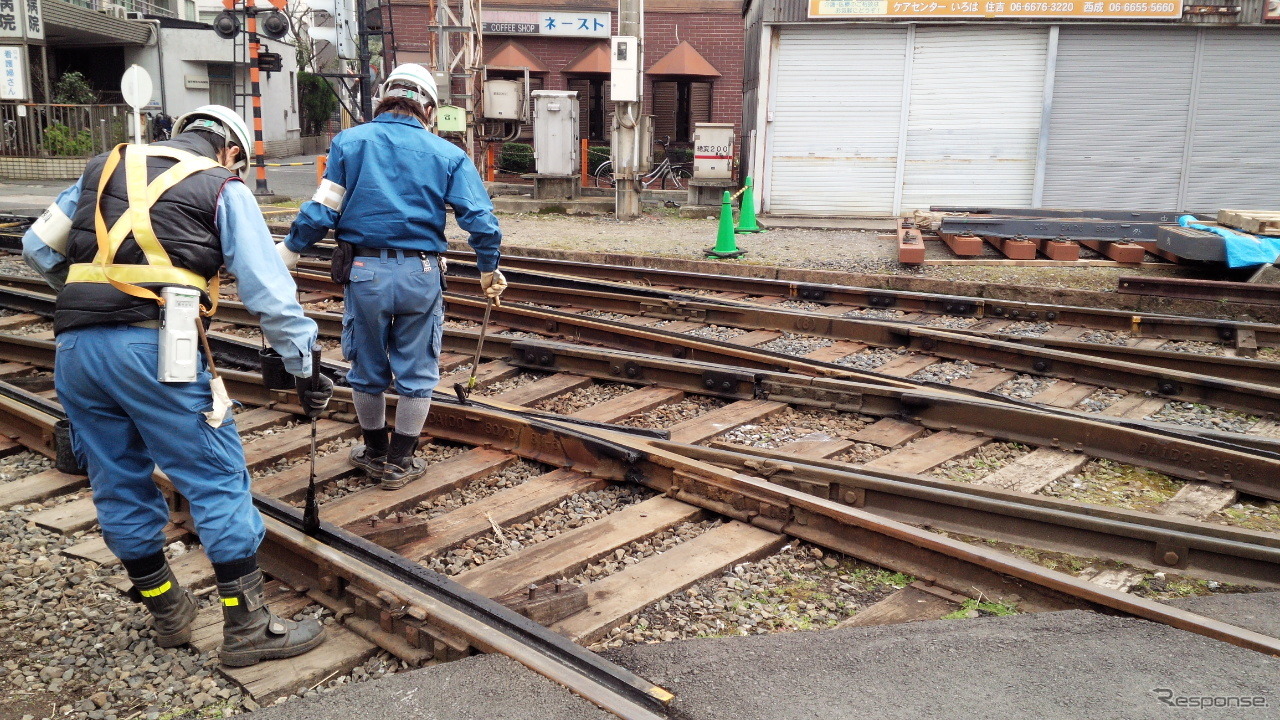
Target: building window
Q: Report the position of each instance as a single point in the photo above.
(677, 105)
(293, 91)
(594, 111)
(221, 85)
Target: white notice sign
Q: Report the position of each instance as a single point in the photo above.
(35, 20)
(21, 19)
(534, 22)
(13, 72)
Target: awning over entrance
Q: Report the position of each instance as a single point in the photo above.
(68, 25)
(683, 60)
(511, 55)
(594, 59)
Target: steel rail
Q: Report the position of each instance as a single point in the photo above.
(755, 317)
(1157, 216)
(1234, 368)
(967, 569)
(624, 365)
(1195, 289)
(963, 568)
(1159, 542)
(1052, 228)
(418, 593)
(610, 367)
(1140, 323)
(953, 564)
(736, 383)
(1223, 459)
(1175, 453)
(1174, 384)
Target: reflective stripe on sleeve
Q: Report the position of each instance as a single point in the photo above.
(330, 195)
(53, 227)
(154, 592)
(231, 601)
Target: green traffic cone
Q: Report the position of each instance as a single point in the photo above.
(747, 215)
(726, 245)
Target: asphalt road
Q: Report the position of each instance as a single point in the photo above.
(1049, 666)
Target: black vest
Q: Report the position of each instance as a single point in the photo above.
(185, 223)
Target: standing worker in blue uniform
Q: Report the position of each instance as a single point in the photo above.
(144, 227)
(384, 194)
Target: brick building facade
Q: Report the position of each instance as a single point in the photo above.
(703, 82)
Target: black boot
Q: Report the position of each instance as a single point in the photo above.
(373, 453)
(172, 607)
(401, 466)
(251, 633)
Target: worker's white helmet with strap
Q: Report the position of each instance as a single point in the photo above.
(412, 81)
(223, 122)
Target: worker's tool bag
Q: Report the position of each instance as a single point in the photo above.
(340, 267)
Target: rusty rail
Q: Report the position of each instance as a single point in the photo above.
(415, 613)
(1194, 289)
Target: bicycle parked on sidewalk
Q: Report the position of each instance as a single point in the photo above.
(664, 172)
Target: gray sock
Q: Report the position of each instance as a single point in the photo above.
(411, 415)
(371, 409)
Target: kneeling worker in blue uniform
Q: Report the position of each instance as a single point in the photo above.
(384, 194)
(134, 249)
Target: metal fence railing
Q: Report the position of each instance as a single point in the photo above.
(51, 130)
(159, 7)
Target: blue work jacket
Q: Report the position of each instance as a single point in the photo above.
(386, 186)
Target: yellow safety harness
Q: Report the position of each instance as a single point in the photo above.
(136, 220)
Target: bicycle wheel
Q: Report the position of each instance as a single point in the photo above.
(603, 175)
(680, 177)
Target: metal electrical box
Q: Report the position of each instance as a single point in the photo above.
(555, 132)
(713, 151)
(504, 100)
(624, 69)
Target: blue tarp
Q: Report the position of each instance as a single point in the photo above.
(1243, 250)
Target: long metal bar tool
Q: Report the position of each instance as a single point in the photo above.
(311, 511)
(464, 391)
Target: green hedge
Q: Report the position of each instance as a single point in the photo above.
(679, 156)
(516, 158)
(597, 155)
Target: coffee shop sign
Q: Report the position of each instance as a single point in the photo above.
(532, 22)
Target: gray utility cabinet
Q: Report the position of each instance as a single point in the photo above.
(555, 132)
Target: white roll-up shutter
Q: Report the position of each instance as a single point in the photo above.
(1234, 161)
(1121, 104)
(836, 106)
(974, 126)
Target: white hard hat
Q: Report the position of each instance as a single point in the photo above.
(219, 120)
(412, 81)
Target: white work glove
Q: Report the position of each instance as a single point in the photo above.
(289, 257)
(493, 283)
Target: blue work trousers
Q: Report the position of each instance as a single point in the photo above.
(125, 422)
(392, 323)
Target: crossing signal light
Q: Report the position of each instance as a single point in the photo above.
(226, 25)
(275, 25)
